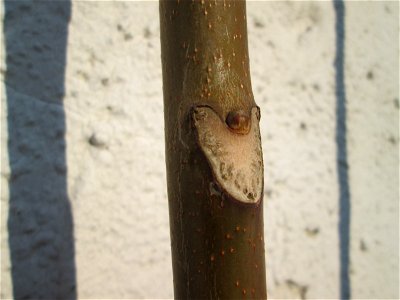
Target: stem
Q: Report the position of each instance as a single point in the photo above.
(213, 151)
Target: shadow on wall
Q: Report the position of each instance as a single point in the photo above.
(341, 150)
(40, 222)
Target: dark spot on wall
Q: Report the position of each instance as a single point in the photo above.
(312, 231)
(258, 23)
(60, 168)
(370, 75)
(95, 141)
(363, 246)
(396, 103)
(24, 148)
(37, 48)
(83, 75)
(302, 289)
(24, 7)
(303, 126)
(93, 59)
(270, 44)
(147, 33)
(343, 163)
(105, 81)
(316, 87)
(128, 36)
(392, 140)
(29, 123)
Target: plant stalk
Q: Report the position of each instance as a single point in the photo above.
(213, 152)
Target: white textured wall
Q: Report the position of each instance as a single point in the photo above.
(111, 161)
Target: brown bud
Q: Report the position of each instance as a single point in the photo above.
(239, 121)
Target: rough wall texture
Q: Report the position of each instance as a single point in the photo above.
(83, 142)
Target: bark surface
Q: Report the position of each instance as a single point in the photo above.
(213, 152)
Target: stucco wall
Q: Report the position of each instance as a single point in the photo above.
(83, 192)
